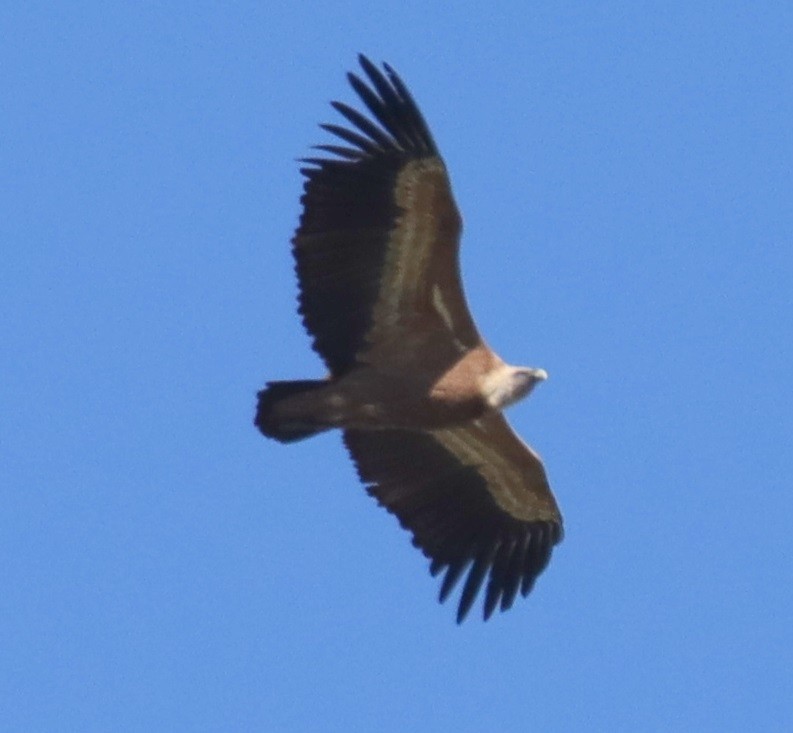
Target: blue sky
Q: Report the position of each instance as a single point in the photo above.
(625, 172)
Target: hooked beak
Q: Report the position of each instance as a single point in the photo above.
(539, 375)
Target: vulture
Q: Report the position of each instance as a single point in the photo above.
(412, 384)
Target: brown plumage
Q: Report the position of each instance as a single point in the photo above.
(416, 390)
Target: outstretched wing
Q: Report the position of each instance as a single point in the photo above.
(376, 249)
(475, 498)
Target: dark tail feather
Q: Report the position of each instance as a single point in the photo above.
(286, 430)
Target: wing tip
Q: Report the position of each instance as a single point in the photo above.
(396, 123)
(511, 567)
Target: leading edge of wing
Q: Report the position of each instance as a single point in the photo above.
(475, 499)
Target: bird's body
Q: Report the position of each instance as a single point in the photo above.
(396, 395)
(413, 385)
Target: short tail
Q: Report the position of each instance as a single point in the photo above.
(286, 429)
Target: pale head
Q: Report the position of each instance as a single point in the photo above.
(508, 384)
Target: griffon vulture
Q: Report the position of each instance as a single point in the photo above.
(416, 390)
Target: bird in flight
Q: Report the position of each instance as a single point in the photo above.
(412, 384)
